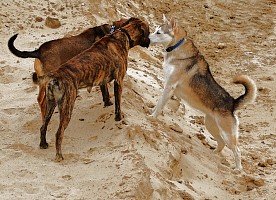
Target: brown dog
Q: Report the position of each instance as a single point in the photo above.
(104, 61)
(50, 55)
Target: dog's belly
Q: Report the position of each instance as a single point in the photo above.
(101, 80)
(185, 93)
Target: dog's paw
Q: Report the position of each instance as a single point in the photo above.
(43, 145)
(59, 157)
(108, 103)
(153, 115)
(237, 170)
(121, 124)
(118, 117)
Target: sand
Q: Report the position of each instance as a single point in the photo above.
(140, 158)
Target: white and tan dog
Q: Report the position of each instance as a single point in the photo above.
(187, 76)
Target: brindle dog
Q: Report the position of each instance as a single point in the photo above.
(104, 61)
(50, 55)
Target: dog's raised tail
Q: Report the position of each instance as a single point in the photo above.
(22, 54)
(250, 91)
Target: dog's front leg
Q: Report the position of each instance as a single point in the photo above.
(118, 94)
(105, 94)
(169, 88)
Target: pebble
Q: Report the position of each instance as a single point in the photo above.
(52, 22)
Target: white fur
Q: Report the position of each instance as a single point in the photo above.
(224, 128)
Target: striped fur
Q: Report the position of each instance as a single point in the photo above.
(52, 54)
(104, 61)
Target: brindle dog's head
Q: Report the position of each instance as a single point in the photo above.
(138, 31)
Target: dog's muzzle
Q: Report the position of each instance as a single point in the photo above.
(145, 42)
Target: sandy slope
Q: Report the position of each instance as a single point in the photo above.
(140, 158)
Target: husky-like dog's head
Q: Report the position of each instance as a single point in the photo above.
(165, 33)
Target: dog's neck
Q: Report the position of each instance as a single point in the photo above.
(171, 48)
(131, 42)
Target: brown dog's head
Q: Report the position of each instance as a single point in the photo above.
(118, 24)
(138, 31)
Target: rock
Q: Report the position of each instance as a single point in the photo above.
(52, 22)
(200, 136)
(221, 46)
(266, 163)
(38, 19)
(175, 127)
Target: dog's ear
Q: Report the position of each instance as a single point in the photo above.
(145, 41)
(173, 25)
(120, 23)
(165, 19)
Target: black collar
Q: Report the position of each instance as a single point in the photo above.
(169, 49)
(131, 42)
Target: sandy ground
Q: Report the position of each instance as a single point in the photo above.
(168, 158)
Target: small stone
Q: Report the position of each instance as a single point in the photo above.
(270, 161)
(263, 164)
(52, 22)
(175, 127)
(259, 182)
(200, 136)
(38, 19)
(221, 46)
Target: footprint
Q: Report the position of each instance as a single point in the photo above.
(20, 147)
(7, 74)
(12, 111)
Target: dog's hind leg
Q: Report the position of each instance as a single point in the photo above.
(49, 109)
(105, 94)
(213, 129)
(41, 99)
(65, 106)
(229, 129)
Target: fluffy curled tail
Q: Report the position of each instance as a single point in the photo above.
(250, 91)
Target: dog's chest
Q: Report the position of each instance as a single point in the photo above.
(173, 69)
(168, 66)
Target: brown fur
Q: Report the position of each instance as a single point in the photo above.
(52, 54)
(104, 61)
(188, 76)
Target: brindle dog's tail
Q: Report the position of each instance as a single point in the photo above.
(54, 90)
(50, 88)
(250, 91)
(22, 54)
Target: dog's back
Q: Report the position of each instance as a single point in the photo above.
(93, 67)
(106, 58)
(54, 53)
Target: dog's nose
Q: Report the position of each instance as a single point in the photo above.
(145, 42)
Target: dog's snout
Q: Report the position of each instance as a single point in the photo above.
(145, 42)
